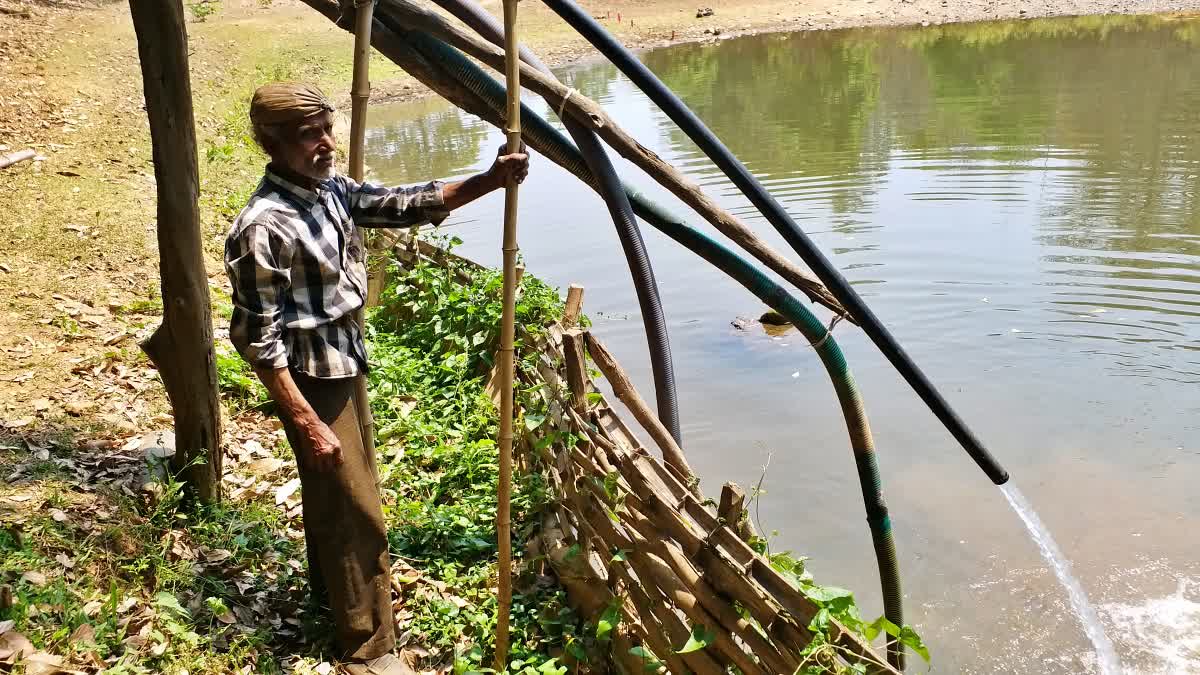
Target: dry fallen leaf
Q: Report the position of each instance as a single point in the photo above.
(35, 578)
(64, 561)
(286, 490)
(85, 634)
(41, 663)
(14, 646)
(59, 515)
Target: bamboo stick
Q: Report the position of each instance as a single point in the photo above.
(360, 92)
(672, 630)
(574, 305)
(509, 250)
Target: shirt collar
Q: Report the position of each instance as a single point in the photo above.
(286, 180)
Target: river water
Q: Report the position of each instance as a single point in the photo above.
(1019, 203)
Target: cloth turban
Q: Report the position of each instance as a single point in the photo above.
(286, 103)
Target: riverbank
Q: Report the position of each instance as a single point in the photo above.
(80, 259)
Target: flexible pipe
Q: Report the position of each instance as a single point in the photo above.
(556, 147)
(481, 99)
(609, 187)
(783, 223)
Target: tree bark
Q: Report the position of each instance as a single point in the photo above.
(182, 346)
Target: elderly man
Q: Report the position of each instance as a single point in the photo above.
(296, 260)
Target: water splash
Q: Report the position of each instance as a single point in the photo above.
(1105, 655)
(1165, 631)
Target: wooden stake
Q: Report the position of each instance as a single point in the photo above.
(576, 369)
(360, 93)
(574, 305)
(507, 328)
(182, 346)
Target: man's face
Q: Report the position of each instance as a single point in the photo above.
(310, 152)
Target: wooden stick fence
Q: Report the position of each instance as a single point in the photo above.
(631, 532)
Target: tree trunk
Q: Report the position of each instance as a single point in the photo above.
(182, 347)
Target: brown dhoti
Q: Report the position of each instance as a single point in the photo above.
(343, 525)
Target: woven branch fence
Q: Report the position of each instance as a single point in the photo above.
(633, 534)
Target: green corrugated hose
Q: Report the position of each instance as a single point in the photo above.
(541, 135)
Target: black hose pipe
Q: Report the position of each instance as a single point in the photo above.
(554, 145)
(609, 186)
(783, 223)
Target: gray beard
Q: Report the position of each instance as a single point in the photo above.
(322, 174)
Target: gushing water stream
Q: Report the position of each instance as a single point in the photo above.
(1105, 656)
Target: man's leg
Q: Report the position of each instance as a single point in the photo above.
(343, 526)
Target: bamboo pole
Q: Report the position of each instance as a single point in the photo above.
(507, 328)
(360, 93)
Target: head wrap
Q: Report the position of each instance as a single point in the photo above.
(286, 103)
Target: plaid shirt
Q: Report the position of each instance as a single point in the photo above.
(297, 264)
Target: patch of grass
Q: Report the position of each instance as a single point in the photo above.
(152, 584)
(240, 387)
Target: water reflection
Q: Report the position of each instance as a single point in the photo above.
(1018, 201)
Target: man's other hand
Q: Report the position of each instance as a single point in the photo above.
(321, 446)
(515, 165)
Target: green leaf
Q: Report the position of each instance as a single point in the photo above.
(612, 486)
(648, 661)
(572, 551)
(826, 594)
(534, 420)
(820, 622)
(909, 638)
(165, 600)
(619, 555)
(594, 398)
(701, 637)
(873, 629)
(610, 619)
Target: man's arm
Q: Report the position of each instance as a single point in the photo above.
(320, 445)
(464, 192)
(376, 206)
(257, 260)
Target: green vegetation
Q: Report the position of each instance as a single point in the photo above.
(432, 343)
(202, 9)
(148, 585)
(239, 386)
